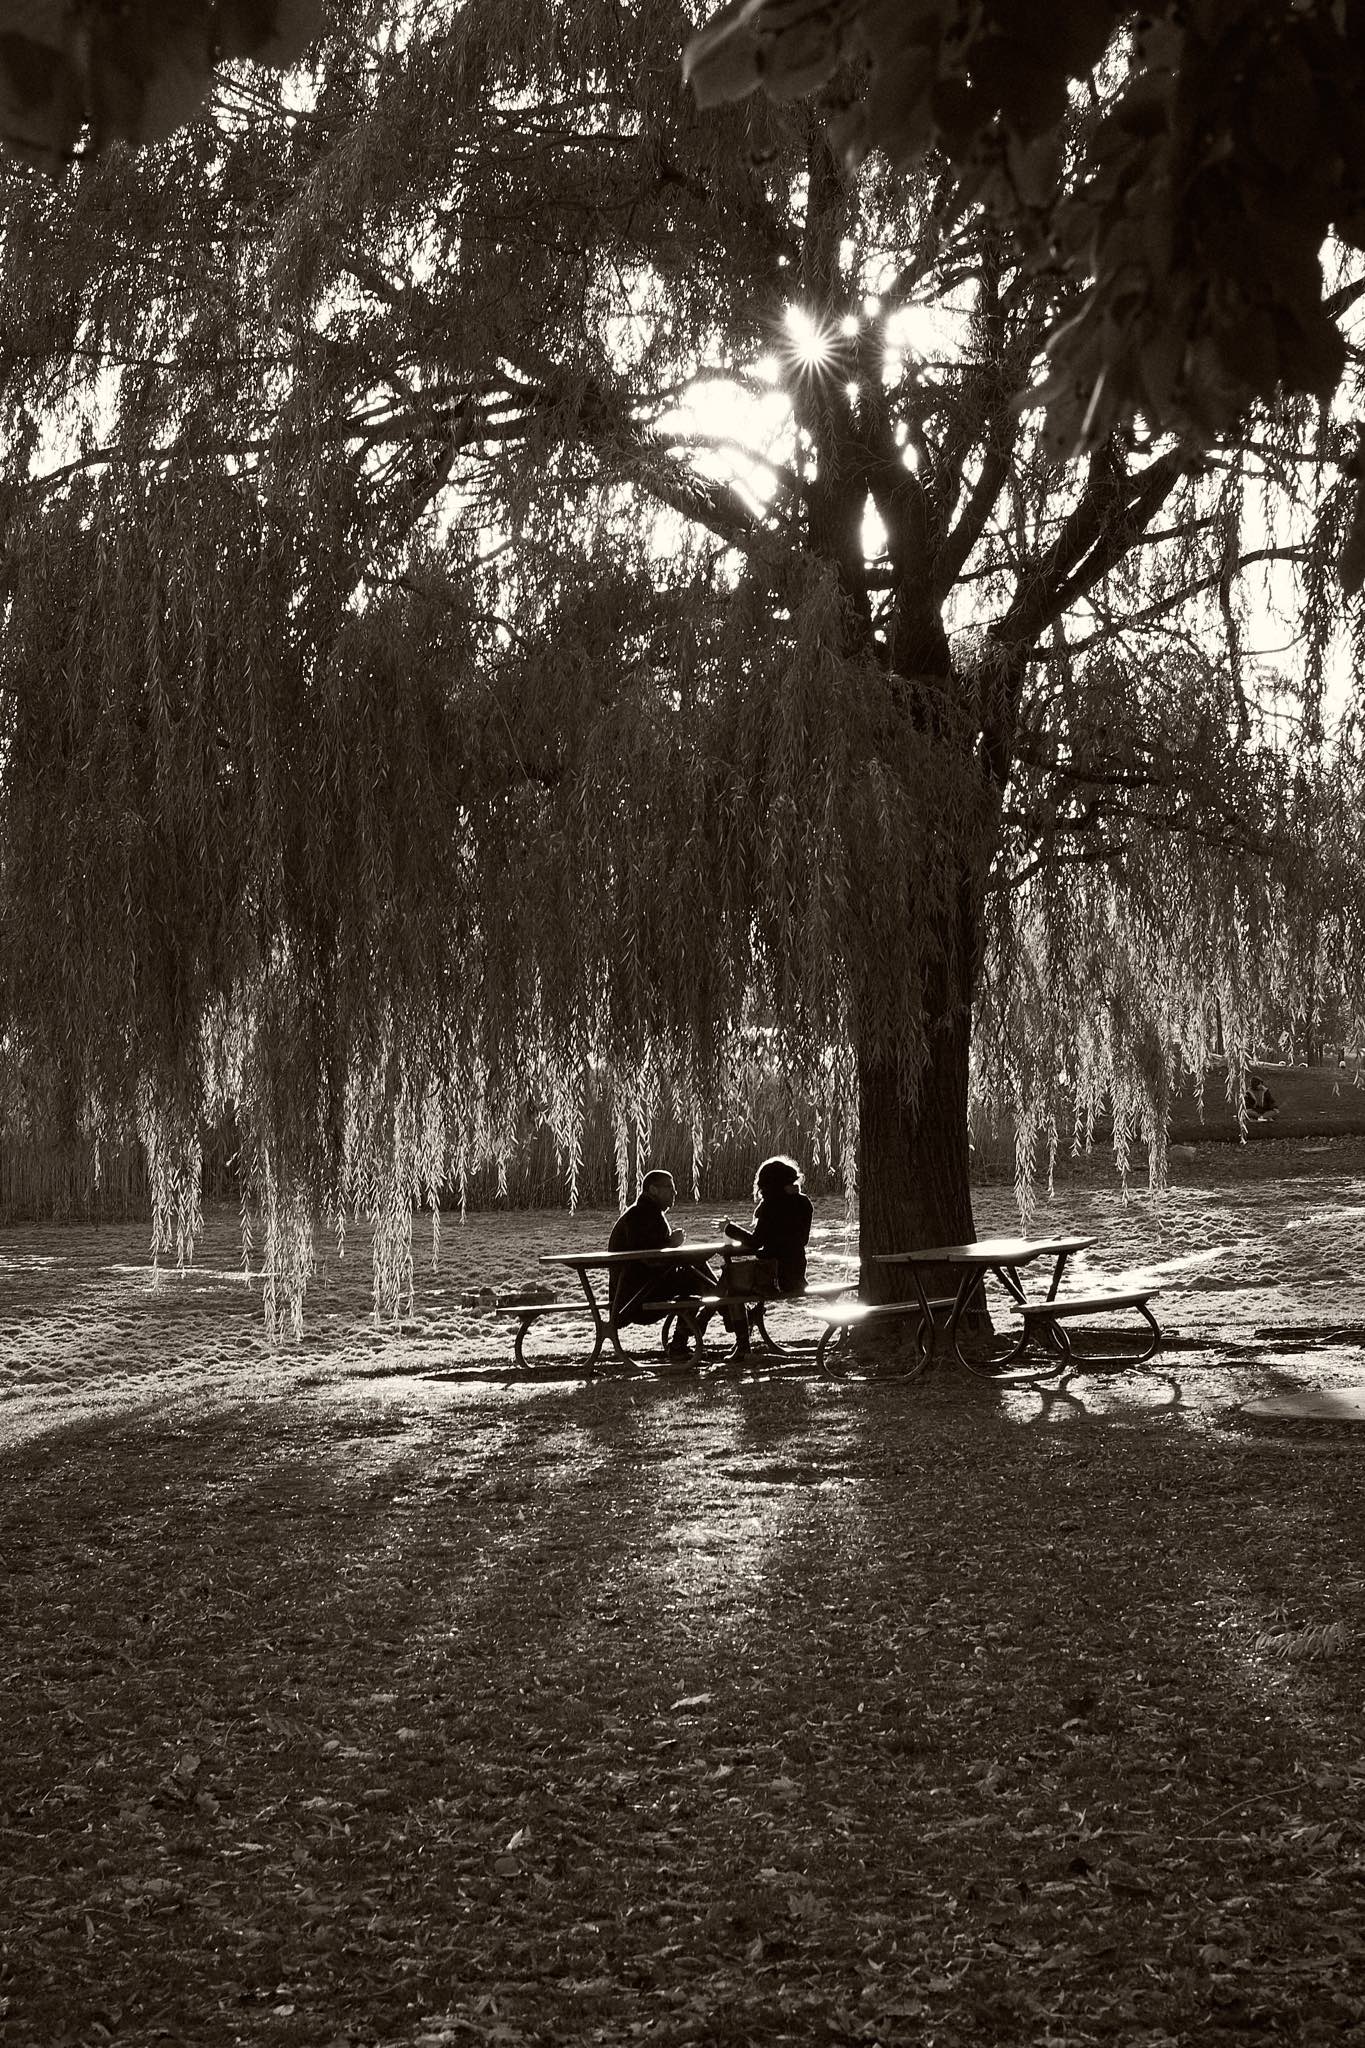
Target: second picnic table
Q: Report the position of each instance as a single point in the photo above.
(998, 1258)
(1043, 1316)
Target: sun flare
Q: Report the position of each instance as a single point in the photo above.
(810, 343)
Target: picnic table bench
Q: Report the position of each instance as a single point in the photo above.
(842, 1317)
(1047, 1319)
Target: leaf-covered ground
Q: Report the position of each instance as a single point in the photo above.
(352, 1696)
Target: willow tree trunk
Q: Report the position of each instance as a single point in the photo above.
(914, 1187)
(914, 1152)
(914, 1148)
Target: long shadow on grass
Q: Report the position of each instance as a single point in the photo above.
(1020, 1720)
(740, 1717)
(276, 1750)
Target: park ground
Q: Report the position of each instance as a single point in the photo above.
(355, 1693)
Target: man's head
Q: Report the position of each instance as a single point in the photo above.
(657, 1186)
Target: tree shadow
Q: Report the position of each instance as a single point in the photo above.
(399, 1695)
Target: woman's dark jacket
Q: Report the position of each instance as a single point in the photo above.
(780, 1232)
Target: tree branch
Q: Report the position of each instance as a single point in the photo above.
(1095, 537)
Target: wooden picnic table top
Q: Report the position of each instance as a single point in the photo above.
(662, 1254)
(984, 1251)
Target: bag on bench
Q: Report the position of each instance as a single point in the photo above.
(748, 1276)
(742, 1279)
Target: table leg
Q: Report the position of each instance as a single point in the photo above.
(1054, 1337)
(758, 1327)
(607, 1330)
(602, 1327)
(928, 1328)
(711, 1283)
(610, 1334)
(1008, 1277)
(972, 1282)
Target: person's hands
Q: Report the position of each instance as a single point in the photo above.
(677, 1236)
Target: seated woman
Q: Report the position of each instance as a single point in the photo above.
(781, 1229)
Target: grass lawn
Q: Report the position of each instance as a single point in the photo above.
(406, 1710)
(1322, 1101)
(1329, 1097)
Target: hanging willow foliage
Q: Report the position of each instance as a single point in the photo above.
(369, 894)
(1151, 899)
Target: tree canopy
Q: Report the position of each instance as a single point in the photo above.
(1184, 234)
(513, 578)
(1182, 239)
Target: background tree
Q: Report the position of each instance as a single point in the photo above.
(419, 702)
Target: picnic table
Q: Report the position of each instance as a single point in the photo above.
(984, 1258)
(596, 1304)
(1043, 1316)
(587, 1263)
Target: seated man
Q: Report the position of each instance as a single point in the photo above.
(1262, 1107)
(644, 1227)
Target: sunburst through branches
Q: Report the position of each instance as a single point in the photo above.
(810, 345)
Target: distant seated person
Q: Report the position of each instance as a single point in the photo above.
(1262, 1107)
(644, 1227)
(782, 1218)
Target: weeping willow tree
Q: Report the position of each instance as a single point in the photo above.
(511, 580)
